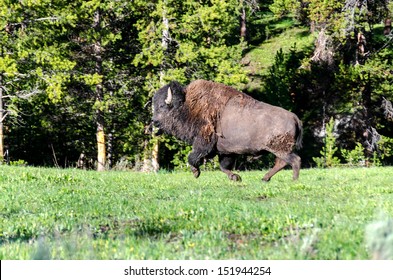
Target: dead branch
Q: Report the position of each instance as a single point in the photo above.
(32, 20)
(324, 50)
(387, 109)
(24, 94)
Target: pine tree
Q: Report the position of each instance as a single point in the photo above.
(97, 37)
(187, 40)
(31, 60)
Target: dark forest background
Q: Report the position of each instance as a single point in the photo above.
(77, 77)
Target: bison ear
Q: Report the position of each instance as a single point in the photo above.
(169, 96)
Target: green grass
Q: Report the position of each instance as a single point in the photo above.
(73, 214)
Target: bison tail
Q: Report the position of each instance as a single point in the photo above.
(299, 134)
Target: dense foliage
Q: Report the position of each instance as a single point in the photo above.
(76, 77)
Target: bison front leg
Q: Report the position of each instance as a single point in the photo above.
(226, 165)
(200, 149)
(194, 167)
(195, 160)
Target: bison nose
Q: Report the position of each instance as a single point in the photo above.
(156, 123)
(156, 128)
(158, 132)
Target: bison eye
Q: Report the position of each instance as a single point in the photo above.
(162, 106)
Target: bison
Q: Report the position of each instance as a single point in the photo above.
(219, 120)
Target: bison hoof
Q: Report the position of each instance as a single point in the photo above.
(196, 172)
(235, 177)
(265, 179)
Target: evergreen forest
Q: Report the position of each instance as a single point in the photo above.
(77, 77)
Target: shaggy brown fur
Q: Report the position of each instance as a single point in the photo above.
(206, 100)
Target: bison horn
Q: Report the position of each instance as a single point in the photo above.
(169, 97)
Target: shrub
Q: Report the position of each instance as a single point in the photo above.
(354, 157)
(19, 162)
(327, 158)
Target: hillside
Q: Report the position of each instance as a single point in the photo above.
(284, 34)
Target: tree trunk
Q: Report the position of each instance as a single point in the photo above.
(243, 22)
(164, 43)
(361, 48)
(388, 27)
(370, 144)
(110, 138)
(154, 153)
(1, 121)
(101, 149)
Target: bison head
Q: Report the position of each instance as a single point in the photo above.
(166, 103)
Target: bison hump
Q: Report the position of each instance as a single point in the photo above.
(206, 101)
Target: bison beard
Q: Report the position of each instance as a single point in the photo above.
(219, 120)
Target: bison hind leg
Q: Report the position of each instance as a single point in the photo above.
(295, 162)
(278, 165)
(291, 159)
(226, 165)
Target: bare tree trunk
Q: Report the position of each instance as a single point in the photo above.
(388, 27)
(101, 149)
(361, 48)
(369, 131)
(154, 156)
(164, 43)
(1, 121)
(243, 22)
(154, 153)
(252, 6)
(110, 138)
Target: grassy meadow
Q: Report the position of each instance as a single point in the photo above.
(339, 213)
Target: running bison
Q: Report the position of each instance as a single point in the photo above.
(219, 120)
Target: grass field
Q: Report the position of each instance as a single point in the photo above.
(73, 214)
